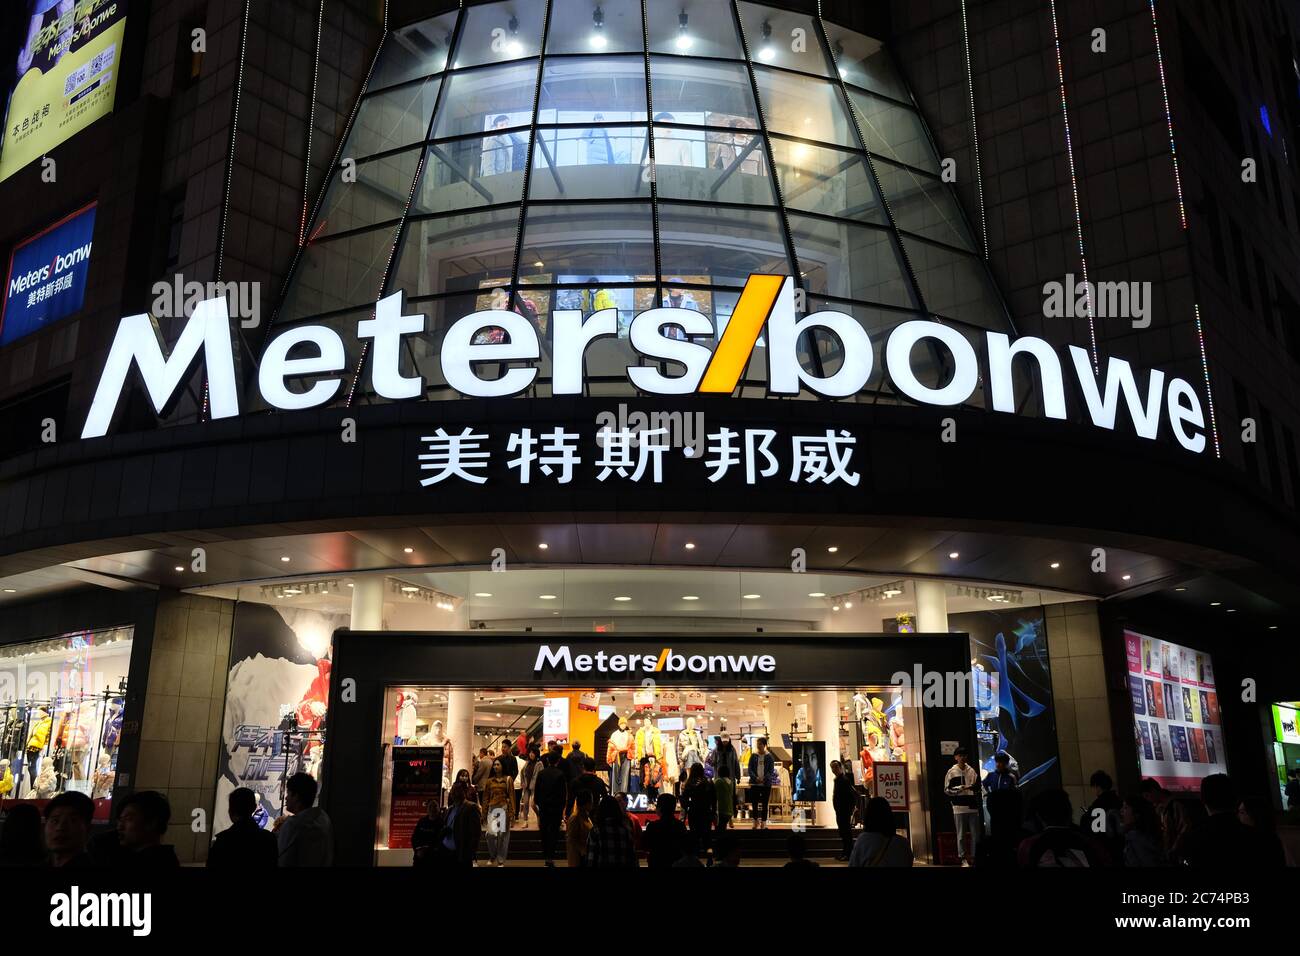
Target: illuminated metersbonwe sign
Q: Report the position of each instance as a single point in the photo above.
(663, 335)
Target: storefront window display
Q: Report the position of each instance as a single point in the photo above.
(1286, 751)
(62, 703)
(643, 742)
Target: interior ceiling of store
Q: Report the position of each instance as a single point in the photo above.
(1062, 564)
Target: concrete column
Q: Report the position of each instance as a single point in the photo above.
(460, 728)
(826, 726)
(931, 607)
(368, 603)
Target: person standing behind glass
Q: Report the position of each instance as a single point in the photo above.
(595, 298)
(669, 150)
(761, 767)
(499, 150)
(960, 785)
(597, 148)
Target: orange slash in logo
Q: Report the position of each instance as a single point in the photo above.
(732, 353)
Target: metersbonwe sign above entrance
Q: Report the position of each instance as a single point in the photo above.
(767, 303)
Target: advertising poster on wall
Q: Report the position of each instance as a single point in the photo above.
(417, 779)
(1177, 733)
(67, 76)
(810, 773)
(555, 720)
(47, 275)
(277, 692)
(1013, 692)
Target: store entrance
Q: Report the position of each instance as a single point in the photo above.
(635, 715)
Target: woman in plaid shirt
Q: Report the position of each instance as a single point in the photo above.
(610, 843)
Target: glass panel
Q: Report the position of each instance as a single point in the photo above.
(956, 285)
(896, 133)
(804, 107)
(456, 253)
(378, 195)
(700, 245)
(338, 273)
(574, 27)
(500, 31)
(465, 173)
(850, 261)
(594, 163)
(924, 205)
(864, 61)
(783, 38)
(578, 89)
(414, 51)
(709, 28)
(712, 165)
(828, 181)
(491, 99)
(702, 93)
(391, 119)
(572, 243)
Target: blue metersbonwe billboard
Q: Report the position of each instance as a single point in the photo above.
(47, 276)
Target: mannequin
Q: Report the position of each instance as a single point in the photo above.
(670, 760)
(112, 725)
(37, 739)
(619, 757)
(437, 737)
(47, 784)
(690, 748)
(6, 779)
(11, 740)
(103, 781)
(648, 741)
(406, 716)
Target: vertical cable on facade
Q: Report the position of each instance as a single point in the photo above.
(311, 124)
(1074, 189)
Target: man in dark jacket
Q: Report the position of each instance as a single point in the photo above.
(664, 839)
(1101, 819)
(141, 825)
(1222, 841)
(844, 800)
(243, 845)
(575, 765)
(550, 794)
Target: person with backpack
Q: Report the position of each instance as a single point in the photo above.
(880, 844)
(1058, 843)
(961, 784)
(700, 804)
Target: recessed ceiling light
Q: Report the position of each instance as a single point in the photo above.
(954, 555)
(543, 545)
(622, 597)
(690, 597)
(351, 585)
(284, 557)
(180, 567)
(1232, 610)
(482, 593)
(1180, 589)
(410, 589)
(546, 597)
(11, 590)
(752, 597)
(1272, 627)
(1128, 577)
(408, 551)
(1055, 565)
(1215, 603)
(690, 545)
(816, 593)
(848, 604)
(835, 607)
(832, 549)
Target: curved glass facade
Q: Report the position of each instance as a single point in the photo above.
(546, 154)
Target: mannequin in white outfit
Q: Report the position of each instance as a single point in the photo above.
(690, 748)
(619, 757)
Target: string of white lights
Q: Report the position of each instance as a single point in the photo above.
(974, 132)
(1074, 188)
